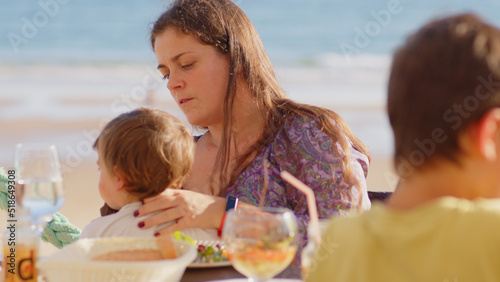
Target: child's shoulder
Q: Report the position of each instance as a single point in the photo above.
(122, 223)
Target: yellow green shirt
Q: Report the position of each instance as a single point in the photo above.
(446, 240)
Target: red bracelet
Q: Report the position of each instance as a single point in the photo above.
(232, 203)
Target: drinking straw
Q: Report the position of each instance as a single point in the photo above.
(266, 184)
(311, 199)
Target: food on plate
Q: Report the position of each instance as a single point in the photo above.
(211, 254)
(166, 250)
(207, 251)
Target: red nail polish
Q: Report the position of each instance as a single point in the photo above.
(136, 213)
(157, 234)
(141, 224)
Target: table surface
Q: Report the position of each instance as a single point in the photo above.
(228, 272)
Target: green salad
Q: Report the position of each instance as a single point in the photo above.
(208, 253)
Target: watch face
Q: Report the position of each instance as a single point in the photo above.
(232, 202)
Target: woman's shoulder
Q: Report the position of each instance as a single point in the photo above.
(306, 134)
(301, 137)
(297, 119)
(304, 131)
(299, 124)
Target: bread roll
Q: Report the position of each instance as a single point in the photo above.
(166, 251)
(167, 247)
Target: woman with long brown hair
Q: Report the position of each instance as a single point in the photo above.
(222, 79)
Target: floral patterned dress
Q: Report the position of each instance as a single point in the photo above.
(302, 149)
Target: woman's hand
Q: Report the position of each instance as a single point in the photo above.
(187, 208)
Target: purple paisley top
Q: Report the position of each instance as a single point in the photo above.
(308, 154)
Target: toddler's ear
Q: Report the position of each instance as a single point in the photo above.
(119, 180)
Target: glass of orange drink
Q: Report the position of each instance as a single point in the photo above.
(261, 242)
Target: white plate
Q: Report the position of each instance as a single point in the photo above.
(207, 243)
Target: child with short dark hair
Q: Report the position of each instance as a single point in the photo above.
(442, 222)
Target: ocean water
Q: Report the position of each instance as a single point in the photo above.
(295, 32)
(71, 60)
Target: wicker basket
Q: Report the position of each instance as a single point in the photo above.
(73, 262)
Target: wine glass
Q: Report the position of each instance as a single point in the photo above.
(261, 242)
(40, 187)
